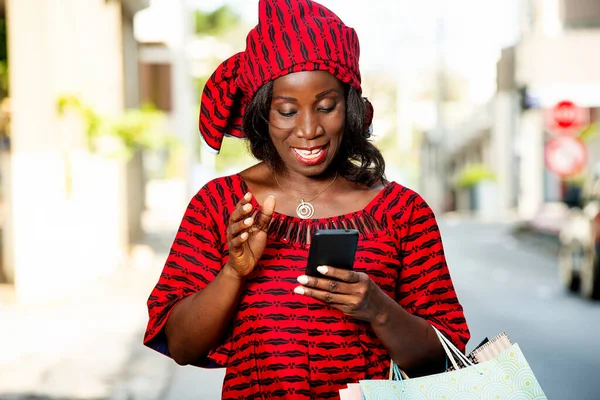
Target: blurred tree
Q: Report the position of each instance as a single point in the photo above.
(3, 60)
(216, 22)
(225, 24)
(136, 129)
(473, 174)
(590, 132)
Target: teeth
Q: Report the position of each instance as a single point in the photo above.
(310, 154)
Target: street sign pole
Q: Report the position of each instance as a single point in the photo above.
(565, 153)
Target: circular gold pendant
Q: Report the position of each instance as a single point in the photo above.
(305, 210)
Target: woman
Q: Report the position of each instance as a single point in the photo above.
(232, 293)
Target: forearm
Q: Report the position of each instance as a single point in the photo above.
(199, 321)
(410, 340)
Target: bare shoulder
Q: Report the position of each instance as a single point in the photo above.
(364, 190)
(258, 178)
(358, 193)
(256, 174)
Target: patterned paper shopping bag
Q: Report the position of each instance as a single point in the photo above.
(504, 377)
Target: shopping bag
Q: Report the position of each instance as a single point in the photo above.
(352, 392)
(506, 376)
(486, 350)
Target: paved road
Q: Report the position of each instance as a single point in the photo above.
(504, 284)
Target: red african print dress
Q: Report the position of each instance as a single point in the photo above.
(287, 346)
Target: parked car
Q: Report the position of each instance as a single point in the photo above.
(579, 255)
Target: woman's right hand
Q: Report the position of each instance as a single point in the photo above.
(247, 235)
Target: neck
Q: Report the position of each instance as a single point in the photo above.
(302, 185)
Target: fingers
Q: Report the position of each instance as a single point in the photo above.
(343, 275)
(235, 242)
(242, 209)
(240, 221)
(323, 295)
(341, 290)
(328, 285)
(238, 227)
(263, 217)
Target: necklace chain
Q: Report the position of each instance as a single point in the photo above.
(302, 200)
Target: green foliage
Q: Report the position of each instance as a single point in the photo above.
(215, 22)
(576, 180)
(234, 154)
(473, 174)
(3, 60)
(142, 128)
(199, 86)
(3, 41)
(95, 124)
(590, 132)
(135, 129)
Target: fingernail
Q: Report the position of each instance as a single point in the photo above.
(323, 269)
(248, 207)
(303, 279)
(247, 221)
(272, 196)
(247, 196)
(244, 235)
(299, 290)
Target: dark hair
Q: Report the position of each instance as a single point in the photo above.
(358, 160)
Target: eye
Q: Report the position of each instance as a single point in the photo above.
(326, 110)
(287, 114)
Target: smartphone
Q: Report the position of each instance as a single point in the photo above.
(333, 247)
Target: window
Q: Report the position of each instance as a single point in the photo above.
(155, 85)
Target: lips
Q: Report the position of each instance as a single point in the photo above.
(312, 156)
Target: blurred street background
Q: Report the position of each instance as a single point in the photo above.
(490, 109)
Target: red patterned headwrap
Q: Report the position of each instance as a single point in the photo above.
(291, 36)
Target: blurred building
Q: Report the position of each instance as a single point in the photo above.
(164, 31)
(555, 59)
(66, 215)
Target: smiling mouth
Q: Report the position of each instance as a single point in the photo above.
(310, 156)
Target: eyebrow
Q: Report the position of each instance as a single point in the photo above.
(325, 93)
(317, 96)
(284, 98)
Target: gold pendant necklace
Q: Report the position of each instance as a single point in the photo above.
(305, 209)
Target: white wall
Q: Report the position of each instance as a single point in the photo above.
(559, 67)
(68, 226)
(503, 132)
(531, 148)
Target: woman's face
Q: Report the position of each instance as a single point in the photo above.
(306, 120)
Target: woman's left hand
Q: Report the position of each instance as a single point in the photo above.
(353, 293)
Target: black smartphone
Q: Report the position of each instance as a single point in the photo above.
(333, 247)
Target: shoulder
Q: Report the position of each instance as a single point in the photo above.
(399, 197)
(403, 205)
(220, 193)
(258, 175)
(222, 186)
(214, 202)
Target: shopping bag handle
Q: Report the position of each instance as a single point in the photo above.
(448, 344)
(451, 352)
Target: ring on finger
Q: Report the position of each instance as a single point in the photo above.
(333, 286)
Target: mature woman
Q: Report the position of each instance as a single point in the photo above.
(232, 293)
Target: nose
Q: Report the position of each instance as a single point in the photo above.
(309, 126)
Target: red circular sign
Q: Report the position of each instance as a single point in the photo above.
(565, 155)
(565, 113)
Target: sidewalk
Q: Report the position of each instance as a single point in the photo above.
(541, 232)
(88, 347)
